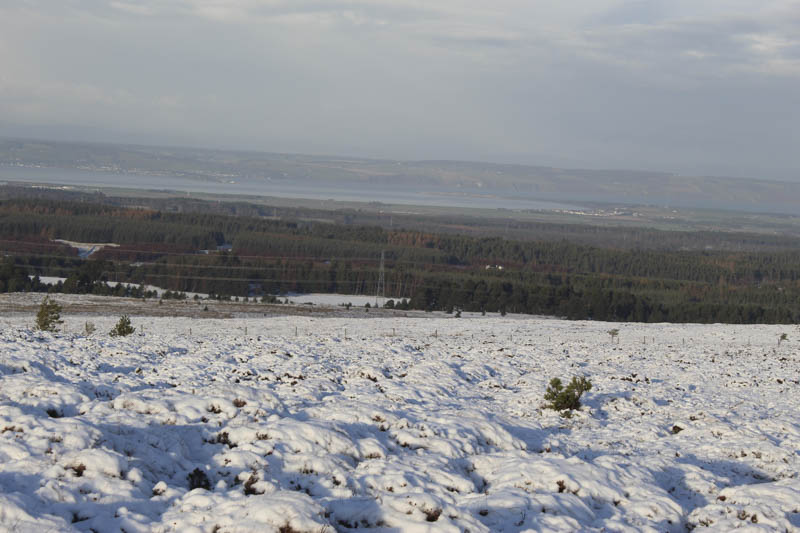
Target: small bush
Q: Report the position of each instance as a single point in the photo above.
(48, 318)
(249, 485)
(89, 328)
(565, 399)
(123, 327)
(198, 480)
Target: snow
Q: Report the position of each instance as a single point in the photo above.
(321, 299)
(54, 280)
(358, 300)
(686, 426)
(158, 290)
(50, 280)
(85, 249)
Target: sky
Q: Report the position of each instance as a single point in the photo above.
(697, 87)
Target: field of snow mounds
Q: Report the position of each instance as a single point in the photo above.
(291, 425)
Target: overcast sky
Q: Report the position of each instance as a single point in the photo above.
(689, 86)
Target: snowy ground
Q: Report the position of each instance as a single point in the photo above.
(53, 280)
(325, 299)
(299, 428)
(358, 300)
(85, 249)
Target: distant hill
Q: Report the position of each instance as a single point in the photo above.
(455, 177)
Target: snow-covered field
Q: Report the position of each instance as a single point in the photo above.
(295, 427)
(53, 280)
(85, 249)
(358, 300)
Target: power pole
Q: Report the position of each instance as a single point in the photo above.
(380, 289)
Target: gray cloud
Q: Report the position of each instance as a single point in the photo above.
(688, 86)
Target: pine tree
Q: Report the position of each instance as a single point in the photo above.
(123, 327)
(48, 318)
(562, 399)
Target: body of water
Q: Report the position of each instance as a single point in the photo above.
(283, 189)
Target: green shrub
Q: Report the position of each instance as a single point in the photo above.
(123, 327)
(48, 318)
(565, 399)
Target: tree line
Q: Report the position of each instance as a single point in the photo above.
(433, 271)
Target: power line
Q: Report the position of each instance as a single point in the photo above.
(163, 253)
(381, 287)
(403, 286)
(430, 269)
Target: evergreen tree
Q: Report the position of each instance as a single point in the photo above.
(123, 327)
(48, 318)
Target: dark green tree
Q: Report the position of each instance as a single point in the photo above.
(48, 318)
(123, 327)
(564, 399)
